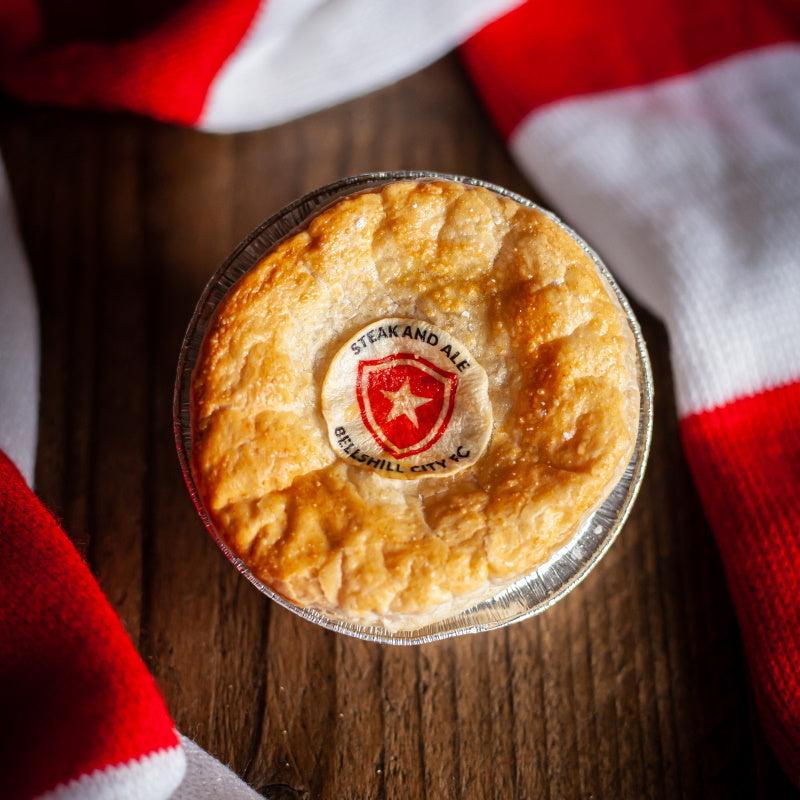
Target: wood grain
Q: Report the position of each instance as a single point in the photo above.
(634, 686)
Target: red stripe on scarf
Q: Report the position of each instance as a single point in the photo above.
(165, 73)
(543, 52)
(75, 695)
(745, 458)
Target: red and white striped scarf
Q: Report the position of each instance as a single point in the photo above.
(667, 133)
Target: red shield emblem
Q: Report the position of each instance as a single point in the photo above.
(406, 402)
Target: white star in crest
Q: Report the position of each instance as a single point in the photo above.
(405, 403)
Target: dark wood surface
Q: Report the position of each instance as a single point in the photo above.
(634, 686)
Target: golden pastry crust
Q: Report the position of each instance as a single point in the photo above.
(531, 307)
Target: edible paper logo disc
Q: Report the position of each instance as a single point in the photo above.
(408, 400)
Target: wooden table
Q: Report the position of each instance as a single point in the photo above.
(634, 686)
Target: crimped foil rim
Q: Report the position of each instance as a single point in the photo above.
(522, 599)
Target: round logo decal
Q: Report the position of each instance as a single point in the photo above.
(408, 400)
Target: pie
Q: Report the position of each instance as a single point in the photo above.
(412, 402)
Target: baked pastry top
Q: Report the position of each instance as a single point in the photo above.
(559, 393)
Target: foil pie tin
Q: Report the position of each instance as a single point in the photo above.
(513, 602)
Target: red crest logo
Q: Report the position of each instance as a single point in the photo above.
(406, 402)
